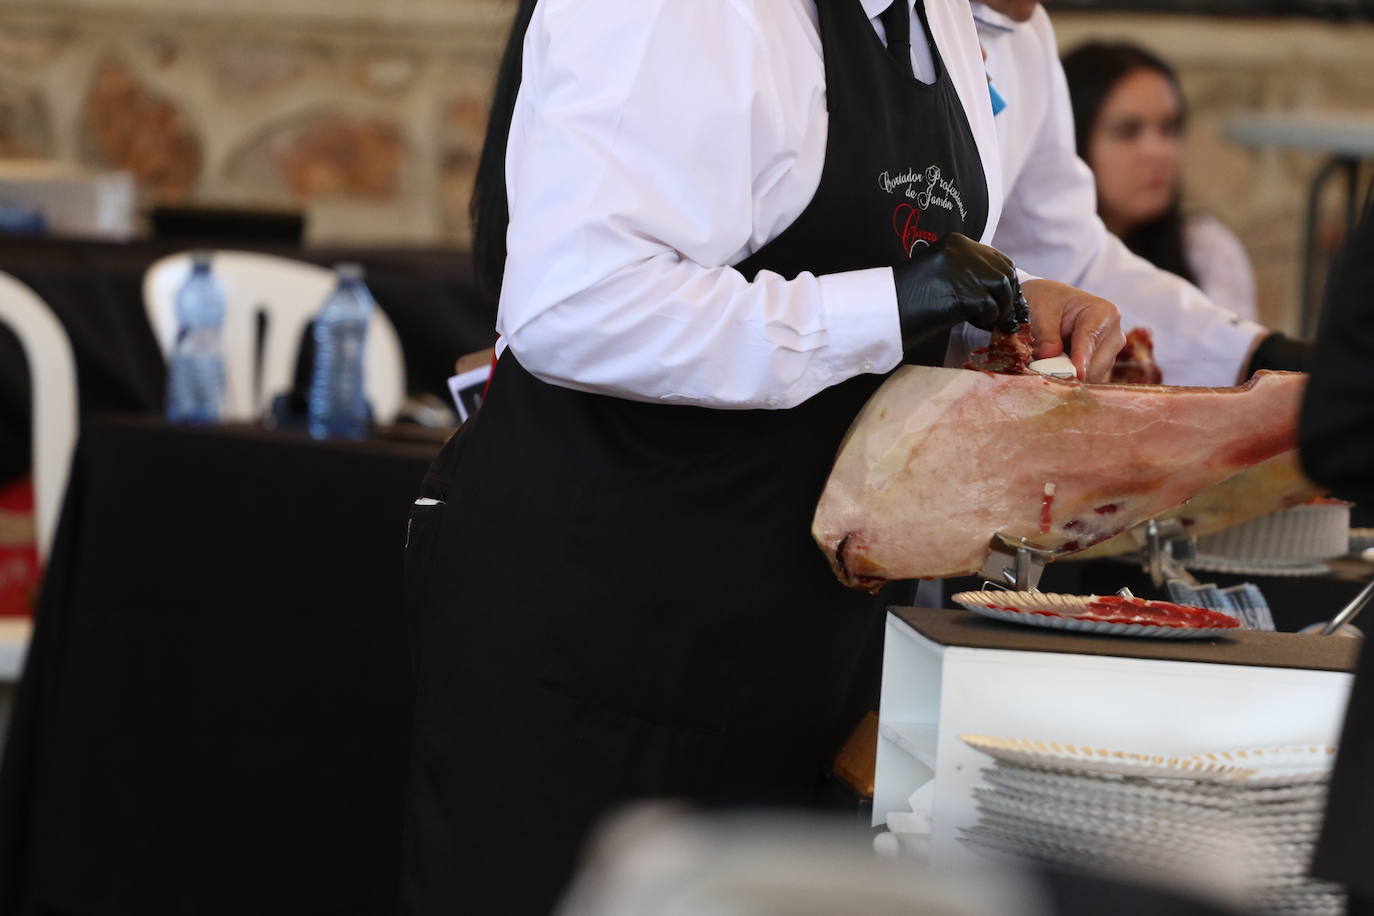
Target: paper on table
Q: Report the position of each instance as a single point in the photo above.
(918, 820)
(466, 389)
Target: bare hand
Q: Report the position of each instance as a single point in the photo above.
(1091, 324)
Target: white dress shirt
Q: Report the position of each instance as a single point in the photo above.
(653, 144)
(1049, 222)
(1220, 263)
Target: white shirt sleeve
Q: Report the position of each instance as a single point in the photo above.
(1221, 265)
(644, 134)
(1050, 227)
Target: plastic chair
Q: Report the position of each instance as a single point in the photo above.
(52, 371)
(289, 293)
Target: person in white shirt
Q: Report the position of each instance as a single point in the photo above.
(1129, 117)
(728, 222)
(1050, 226)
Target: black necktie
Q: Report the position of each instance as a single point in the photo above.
(896, 21)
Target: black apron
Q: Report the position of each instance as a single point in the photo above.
(618, 600)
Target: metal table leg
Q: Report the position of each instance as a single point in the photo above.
(1312, 297)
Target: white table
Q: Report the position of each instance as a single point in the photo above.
(1347, 140)
(1337, 133)
(949, 673)
(73, 200)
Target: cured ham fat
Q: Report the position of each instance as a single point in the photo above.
(1256, 491)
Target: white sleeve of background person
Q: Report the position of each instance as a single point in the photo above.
(654, 143)
(1050, 227)
(1221, 264)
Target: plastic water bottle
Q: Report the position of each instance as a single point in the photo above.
(338, 407)
(195, 371)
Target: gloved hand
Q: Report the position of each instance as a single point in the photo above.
(957, 279)
(1278, 351)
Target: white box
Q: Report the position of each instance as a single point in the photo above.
(932, 693)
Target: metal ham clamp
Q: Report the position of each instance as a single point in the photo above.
(1015, 564)
(1165, 543)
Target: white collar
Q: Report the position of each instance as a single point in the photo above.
(991, 18)
(874, 8)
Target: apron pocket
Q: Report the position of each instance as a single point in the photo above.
(669, 578)
(614, 755)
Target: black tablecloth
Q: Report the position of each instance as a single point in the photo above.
(215, 712)
(96, 289)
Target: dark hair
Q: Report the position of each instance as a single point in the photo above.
(1093, 71)
(489, 208)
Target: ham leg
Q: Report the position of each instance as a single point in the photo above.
(1260, 490)
(941, 460)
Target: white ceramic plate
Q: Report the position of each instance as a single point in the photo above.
(1303, 903)
(1102, 841)
(1024, 601)
(1020, 607)
(1271, 869)
(1309, 803)
(1049, 755)
(1299, 827)
(1127, 797)
(1299, 764)
(1070, 786)
(1117, 807)
(1107, 819)
(1080, 848)
(1280, 860)
(1283, 854)
(1318, 901)
(1278, 568)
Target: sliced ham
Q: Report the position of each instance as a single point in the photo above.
(942, 460)
(1008, 353)
(1116, 609)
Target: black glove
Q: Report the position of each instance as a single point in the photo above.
(1279, 352)
(954, 280)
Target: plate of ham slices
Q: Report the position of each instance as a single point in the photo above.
(1111, 615)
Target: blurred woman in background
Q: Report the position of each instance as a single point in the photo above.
(1128, 119)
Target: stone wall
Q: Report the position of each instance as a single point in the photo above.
(369, 114)
(1229, 67)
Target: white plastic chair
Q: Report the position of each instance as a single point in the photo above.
(290, 293)
(52, 374)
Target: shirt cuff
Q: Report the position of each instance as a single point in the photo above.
(1216, 358)
(863, 333)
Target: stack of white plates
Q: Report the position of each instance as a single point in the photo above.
(1248, 819)
(1292, 542)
